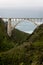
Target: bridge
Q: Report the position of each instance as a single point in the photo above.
(18, 20)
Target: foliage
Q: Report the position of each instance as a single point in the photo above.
(27, 53)
(18, 36)
(5, 43)
(37, 35)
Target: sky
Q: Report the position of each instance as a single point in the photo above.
(20, 3)
(22, 9)
(26, 26)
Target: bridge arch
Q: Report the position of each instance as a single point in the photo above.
(18, 20)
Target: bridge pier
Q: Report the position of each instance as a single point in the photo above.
(18, 20)
(9, 27)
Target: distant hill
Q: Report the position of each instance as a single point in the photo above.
(19, 36)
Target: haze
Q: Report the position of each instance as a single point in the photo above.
(20, 3)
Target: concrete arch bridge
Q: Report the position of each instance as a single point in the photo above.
(36, 21)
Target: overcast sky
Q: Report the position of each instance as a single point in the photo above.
(34, 9)
(20, 3)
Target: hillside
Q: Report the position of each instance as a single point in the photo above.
(36, 38)
(27, 53)
(5, 43)
(37, 35)
(19, 36)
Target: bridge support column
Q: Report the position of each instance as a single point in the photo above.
(9, 27)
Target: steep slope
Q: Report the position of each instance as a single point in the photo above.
(24, 54)
(19, 36)
(27, 53)
(5, 43)
(37, 35)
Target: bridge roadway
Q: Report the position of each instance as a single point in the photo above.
(18, 20)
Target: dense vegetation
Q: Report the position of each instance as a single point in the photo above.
(37, 35)
(19, 36)
(5, 42)
(29, 52)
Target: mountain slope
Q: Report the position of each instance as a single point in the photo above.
(18, 36)
(37, 35)
(5, 43)
(27, 53)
